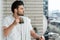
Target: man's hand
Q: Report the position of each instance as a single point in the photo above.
(17, 20)
(42, 38)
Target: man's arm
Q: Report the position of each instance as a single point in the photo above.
(7, 30)
(36, 36)
(33, 34)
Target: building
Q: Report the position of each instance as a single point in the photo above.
(33, 9)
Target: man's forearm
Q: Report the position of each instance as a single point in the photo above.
(34, 35)
(37, 37)
(7, 30)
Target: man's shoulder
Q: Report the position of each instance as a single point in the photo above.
(7, 17)
(27, 18)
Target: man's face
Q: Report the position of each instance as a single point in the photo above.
(20, 10)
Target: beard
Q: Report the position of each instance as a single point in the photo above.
(20, 14)
(21, 19)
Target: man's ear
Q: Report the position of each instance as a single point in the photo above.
(15, 10)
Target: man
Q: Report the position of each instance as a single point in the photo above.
(17, 26)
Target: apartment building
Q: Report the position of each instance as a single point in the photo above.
(33, 10)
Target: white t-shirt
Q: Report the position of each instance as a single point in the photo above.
(20, 31)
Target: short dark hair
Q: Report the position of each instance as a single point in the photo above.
(16, 4)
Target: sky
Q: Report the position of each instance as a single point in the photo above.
(53, 5)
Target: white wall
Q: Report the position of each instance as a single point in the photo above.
(0, 19)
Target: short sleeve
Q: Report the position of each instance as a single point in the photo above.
(5, 22)
(30, 25)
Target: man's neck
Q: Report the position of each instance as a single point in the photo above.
(15, 16)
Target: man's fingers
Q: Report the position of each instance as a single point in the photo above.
(42, 38)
